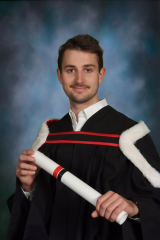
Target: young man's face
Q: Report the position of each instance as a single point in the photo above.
(80, 76)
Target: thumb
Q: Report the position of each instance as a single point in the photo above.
(95, 214)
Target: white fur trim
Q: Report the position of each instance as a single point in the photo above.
(42, 136)
(126, 144)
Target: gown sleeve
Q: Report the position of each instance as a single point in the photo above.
(147, 196)
(19, 209)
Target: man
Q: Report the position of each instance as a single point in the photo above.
(86, 143)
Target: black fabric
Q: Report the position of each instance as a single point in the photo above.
(19, 207)
(83, 137)
(57, 213)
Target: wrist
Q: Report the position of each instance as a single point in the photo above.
(28, 188)
(135, 213)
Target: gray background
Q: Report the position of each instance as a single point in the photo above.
(30, 35)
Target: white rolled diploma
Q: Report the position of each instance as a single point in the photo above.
(71, 181)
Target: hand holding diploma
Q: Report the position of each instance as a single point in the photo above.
(27, 170)
(110, 205)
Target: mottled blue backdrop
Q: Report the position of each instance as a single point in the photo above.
(30, 35)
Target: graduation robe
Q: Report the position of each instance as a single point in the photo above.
(58, 213)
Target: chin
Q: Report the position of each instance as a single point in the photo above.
(80, 100)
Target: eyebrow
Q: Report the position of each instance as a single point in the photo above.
(87, 65)
(90, 65)
(71, 66)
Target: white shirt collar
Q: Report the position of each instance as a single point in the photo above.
(95, 108)
(85, 114)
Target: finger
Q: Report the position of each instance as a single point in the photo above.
(28, 152)
(115, 213)
(95, 214)
(103, 198)
(26, 172)
(104, 201)
(110, 204)
(113, 209)
(31, 163)
(28, 162)
(26, 158)
(25, 166)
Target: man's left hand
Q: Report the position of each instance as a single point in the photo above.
(111, 204)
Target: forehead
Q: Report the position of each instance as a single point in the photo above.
(79, 58)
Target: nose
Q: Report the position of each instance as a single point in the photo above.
(79, 77)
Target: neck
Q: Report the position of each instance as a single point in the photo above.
(77, 107)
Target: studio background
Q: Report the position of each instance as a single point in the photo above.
(30, 35)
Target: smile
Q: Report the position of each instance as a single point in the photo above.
(79, 89)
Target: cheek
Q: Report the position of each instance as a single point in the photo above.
(67, 83)
(67, 79)
(95, 80)
(91, 78)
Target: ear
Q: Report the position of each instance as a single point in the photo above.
(101, 75)
(59, 75)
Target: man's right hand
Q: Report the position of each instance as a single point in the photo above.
(27, 170)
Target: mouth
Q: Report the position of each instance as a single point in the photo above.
(79, 88)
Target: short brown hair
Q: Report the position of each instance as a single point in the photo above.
(84, 43)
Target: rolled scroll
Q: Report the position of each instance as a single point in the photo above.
(71, 181)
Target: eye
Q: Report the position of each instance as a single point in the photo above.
(88, 70)
(71, 70)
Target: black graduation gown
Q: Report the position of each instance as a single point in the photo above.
(57, 213)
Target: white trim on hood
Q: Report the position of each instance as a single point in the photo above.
(126, 143)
